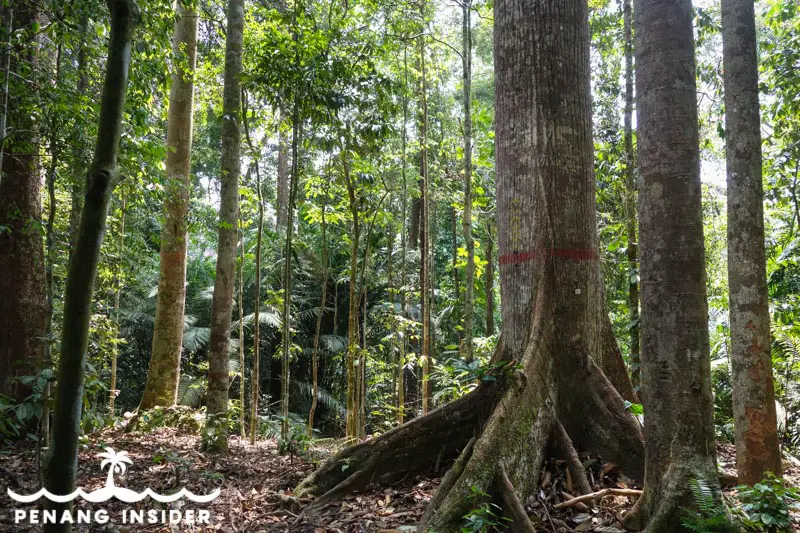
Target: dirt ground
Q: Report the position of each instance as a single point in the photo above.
(255, 485)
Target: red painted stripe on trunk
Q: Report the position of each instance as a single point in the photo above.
(562, 253)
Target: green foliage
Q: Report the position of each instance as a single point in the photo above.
(485, 517)
(766, 505)
(708, 513)
(296, 444)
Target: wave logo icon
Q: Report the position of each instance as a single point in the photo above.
(117, 464)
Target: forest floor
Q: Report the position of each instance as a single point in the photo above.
(256, 483)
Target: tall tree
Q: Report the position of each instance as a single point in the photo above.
(630, 198)
(23, 300)
(255, 376)
(469, 242)
(354, 203)
(165, 359)
(555, 391)
(757, 448)
(676, 382)
(322, 307)
(230, 169)
(61, 465)
(424, 220)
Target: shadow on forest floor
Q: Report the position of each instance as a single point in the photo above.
(256, 484)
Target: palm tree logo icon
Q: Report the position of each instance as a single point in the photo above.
(117, 463)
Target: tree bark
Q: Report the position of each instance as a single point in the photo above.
(23, 299)
(757, 448)
(230, 167)
(542, 77)
(630, 201)
(425, 225)
(165, 359)
(63, 454)
(469, 242)
(676, 380)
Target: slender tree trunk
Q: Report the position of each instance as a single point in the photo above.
(488, 273)
(543, 107)
(255, 378)
(352, 316)
(113, 392)
(469, 242)
(165, 360)
(630, 201)
(287, 263)
(242, 416)
(401, 358)
(63, 454)
(456, 277)
(322, 306)
(755, 420)
(425, 226)
(676, 382)
(283, 180)
(23, 298)
(50, 257)
(230, 167)
(8, 15)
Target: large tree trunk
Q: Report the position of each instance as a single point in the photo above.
(555, 383)
(23, 299)
(165, 359)
(676, 381)
(757, 449)
(63, 455)
(230, 167)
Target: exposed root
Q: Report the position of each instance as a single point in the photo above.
(510, 450)
(599, 494)
(408, 449)
(522, 523)
(574, 464)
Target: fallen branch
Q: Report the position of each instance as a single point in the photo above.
(598, 494)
